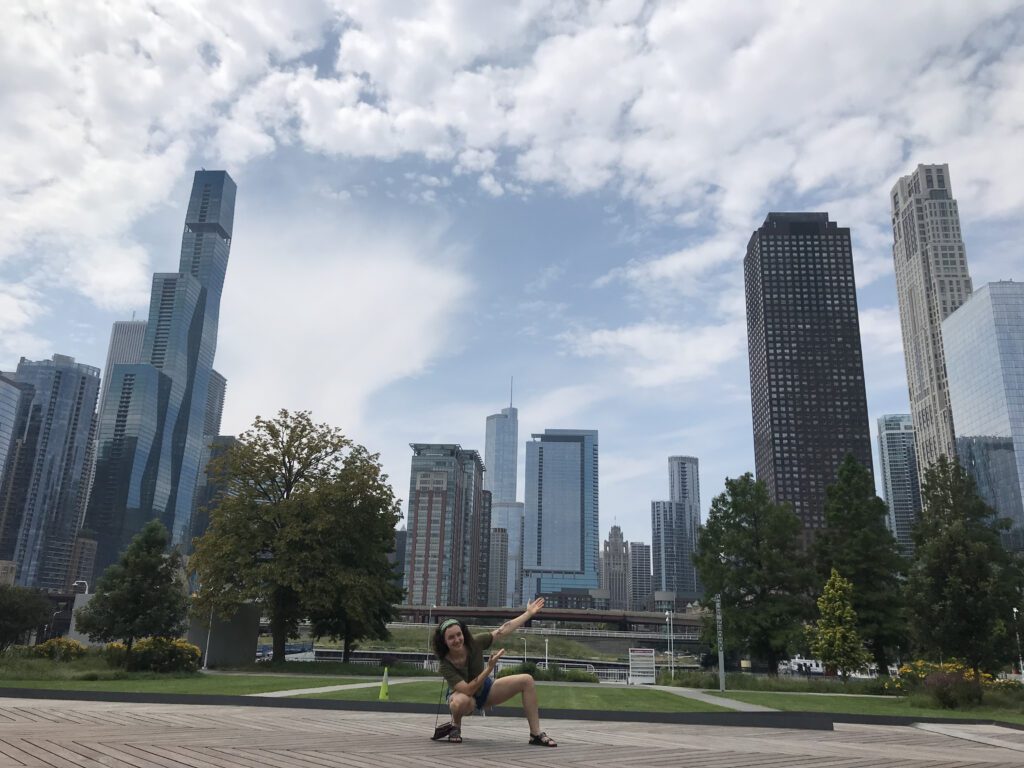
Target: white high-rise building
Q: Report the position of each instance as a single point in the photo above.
(501, 446)
(675, 525)
(984, 346)
(898, 458)
(932, 280)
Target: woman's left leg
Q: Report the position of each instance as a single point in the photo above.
(505, 688)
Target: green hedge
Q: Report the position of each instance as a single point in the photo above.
(158, 654)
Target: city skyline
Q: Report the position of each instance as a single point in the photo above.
(561, 194)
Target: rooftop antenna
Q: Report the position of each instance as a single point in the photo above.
(133, 314)
(511, 381)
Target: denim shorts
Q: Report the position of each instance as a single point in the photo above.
(480, 696)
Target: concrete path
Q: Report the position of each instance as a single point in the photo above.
(332, 688)
(698, 694)
(37, 733)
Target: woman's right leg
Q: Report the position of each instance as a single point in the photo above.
(460, 705)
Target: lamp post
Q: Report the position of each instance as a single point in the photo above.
(721, 647)
(524, 650)
(546, 653)
(1016, 631)
(430, 621)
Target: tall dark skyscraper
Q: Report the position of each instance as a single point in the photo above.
(43, 495)
(151, 429)
(806, 368)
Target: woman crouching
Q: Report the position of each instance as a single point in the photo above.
(470, 685)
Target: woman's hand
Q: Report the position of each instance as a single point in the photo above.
(534, 606)
(493, 661)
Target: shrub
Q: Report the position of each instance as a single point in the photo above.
(158, 654)
(59, 649)
(115, 654)
(951, 690)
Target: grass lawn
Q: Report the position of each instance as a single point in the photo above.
(231, 685)
(551, 697)
(795, 702)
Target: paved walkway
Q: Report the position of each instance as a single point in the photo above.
(698, 694)
(90, 734)
(332, 688)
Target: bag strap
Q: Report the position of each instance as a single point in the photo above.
(440, 698)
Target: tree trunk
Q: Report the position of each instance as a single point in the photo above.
(278, 627)
(347, 646)
(880, 657)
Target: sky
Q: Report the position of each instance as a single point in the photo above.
(436, 196)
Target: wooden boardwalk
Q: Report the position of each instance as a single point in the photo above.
(85, 733)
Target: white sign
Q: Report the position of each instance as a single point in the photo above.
(641, 666)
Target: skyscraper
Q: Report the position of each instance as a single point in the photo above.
(806, 370)
(501, 446)
(615, 569)
(151, 428)
(126, 340)
(48, 483)
(898, 458)
(561, 539)
(932, 280)
(15, 397)
(501, 457)
(506, 566)
(639, 584)
(214, 404)
(675, 525)
(983, 342)
(445, 484)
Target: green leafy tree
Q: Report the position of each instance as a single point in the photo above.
(142, 595)
(303, 529)
(833, 638)
(21, 611)
(962, 583)
(857, 542)
(750, 552)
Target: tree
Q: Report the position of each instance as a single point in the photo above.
(857, 542)
(303, 529)
(750, 552)
(963, 584)
(833, 637)
(142, 595)
(21, 611)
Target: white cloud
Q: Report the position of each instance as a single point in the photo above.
(658, 355)
(346, 309)
(20, 307)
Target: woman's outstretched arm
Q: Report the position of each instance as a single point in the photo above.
(510, 626)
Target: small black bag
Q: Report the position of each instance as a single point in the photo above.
(441, 731)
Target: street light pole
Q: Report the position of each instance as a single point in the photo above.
(546, 653)
(1016, 630)
(721, 646)
(524, 651)
(671, 645)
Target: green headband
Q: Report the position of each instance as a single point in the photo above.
(448, 623)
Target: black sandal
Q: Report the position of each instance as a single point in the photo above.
(542, 740)
(455, 735)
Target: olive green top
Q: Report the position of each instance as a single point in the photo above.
(474, 662)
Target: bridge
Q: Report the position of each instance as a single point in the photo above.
(688, 622)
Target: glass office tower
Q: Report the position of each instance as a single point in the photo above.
(43, 496)
(983, 342)
(151, 428)
(561, 542)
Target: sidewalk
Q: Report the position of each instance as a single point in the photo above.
(333, 688)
